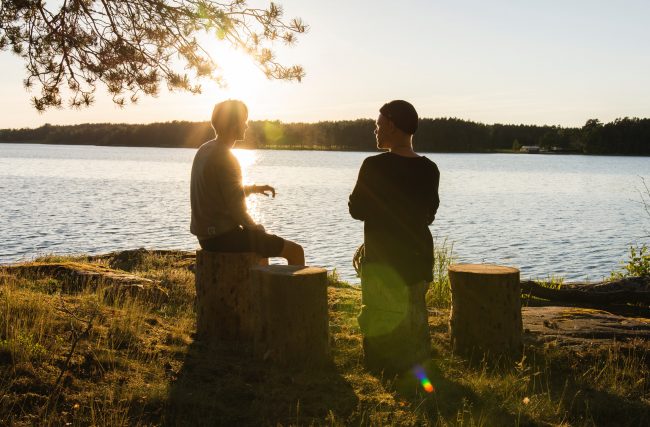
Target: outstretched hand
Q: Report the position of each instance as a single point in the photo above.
(267, 190)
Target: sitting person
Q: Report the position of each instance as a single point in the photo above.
(220, 220)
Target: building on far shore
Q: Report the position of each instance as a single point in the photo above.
(531, 149)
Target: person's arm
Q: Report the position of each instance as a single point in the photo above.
(435, 199)
(359, 199)
(267, 190)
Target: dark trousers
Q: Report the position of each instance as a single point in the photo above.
(393, 321)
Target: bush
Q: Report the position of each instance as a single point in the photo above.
(638, 264)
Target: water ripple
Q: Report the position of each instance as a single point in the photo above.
(569, 216)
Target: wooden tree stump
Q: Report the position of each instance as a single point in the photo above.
(293, 324)
(485, 310)
(223, 296)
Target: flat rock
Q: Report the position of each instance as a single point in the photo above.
(573, 325)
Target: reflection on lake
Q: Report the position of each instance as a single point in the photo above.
(571, 216)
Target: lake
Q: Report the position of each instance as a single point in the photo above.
(549, 215)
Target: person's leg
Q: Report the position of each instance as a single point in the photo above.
(420, 341)
(384, 299)
(231, 241)
(293, 253)
(269, 246)
(409, 344)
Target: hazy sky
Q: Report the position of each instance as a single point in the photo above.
(538, 62)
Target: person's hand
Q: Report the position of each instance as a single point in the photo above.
(258, 227)
(267, 190)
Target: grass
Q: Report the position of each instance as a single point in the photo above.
(439, 293)
(83, 358)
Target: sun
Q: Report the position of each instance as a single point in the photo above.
(243, 79)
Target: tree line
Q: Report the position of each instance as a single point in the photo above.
(626, 136)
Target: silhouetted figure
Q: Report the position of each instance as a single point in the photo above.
(396, 195)
(219, 217)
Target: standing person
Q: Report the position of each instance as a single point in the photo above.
(220, 220)
(396, 196)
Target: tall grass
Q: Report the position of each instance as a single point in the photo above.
(439, 293)
(51, 373)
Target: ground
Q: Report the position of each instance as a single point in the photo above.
(90, 354)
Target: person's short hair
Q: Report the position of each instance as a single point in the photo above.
(227, 114)
(402, 114)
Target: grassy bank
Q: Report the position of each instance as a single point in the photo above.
(85, 354)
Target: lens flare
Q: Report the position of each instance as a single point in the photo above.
(419, 373)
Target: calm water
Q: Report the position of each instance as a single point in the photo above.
(571, 216)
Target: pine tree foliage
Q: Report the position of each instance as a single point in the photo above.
(134, 46)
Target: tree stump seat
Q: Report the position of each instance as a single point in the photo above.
(486, 310)
(224, 302)
(292, 327)
(279, 311)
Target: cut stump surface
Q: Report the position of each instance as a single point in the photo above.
(485, 310)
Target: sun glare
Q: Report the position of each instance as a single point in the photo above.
(242, 78)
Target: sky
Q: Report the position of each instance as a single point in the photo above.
(534, 62)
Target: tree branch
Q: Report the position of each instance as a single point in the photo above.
(131, 46)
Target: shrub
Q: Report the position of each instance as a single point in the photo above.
(637, 265)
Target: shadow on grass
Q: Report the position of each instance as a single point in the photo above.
(607, 409)
(224, 385)
(577, 399)
(451, 400)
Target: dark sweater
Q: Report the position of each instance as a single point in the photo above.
(397, 198)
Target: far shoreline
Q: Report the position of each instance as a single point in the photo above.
(624, 136)
(326, 149)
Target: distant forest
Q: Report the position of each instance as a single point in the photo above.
(626, 136)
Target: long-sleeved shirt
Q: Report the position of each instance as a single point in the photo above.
(218, 197)
(397, 198)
